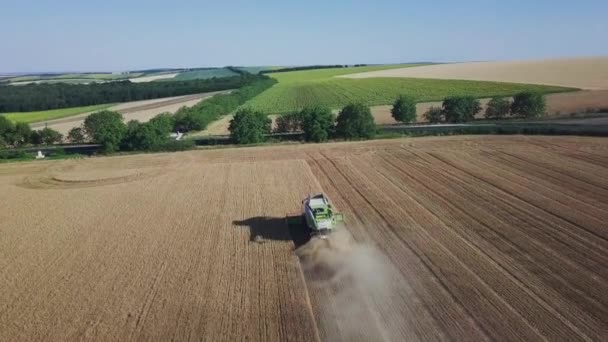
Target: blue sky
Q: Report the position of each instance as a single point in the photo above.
(115, 35)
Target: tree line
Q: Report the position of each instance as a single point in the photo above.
(458, 109)
(108, 129)
(20, 134)
(249, 126)
(45, 96)
(354, 121)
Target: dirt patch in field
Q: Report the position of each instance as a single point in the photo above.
(583, 73)
(357, 283)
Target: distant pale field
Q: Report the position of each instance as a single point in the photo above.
(151, 78)
(583, 73)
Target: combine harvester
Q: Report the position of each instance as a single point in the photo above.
(318, 215)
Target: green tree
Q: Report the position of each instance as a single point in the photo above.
(355, 121)
(76, 135)
(131, 139)
(36, 138)
(50, 136)
(460, 108)
(317, 123)
(498, 108)
(249, 126)
(150, 136)
(7, 128)
(434, 115)
(288, 122)
(22, 134)
(404, 109)
(529, 104)
(105, 128)
(186, 120)
(162, 124)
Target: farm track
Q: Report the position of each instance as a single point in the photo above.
(477, 238)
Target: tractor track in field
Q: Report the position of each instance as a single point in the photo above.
(582, 185)
(393, 231)
(460, 187)
(549, 222)
(512, 193)
(479, 242)
(438, 236)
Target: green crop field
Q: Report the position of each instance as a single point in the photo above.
(298, 89)
(29, 117)
(204, 74)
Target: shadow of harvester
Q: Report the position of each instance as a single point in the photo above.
(264, 228)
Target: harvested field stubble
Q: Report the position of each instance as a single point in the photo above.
(461, 238)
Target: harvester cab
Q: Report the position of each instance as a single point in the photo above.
(318, 215)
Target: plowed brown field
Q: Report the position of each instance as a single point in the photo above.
(455, 238)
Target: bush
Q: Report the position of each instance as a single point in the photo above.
(14, 154)
(498, 108)
(289, 122)
(131, 138)
(434, 115)
(355, 121)
(404, 109)
(317, 123)
(7, 128)
(460, 108)
(249, 126)
(105, 128)
(161, 125)
(529, 104)
(35, 138)
(149, 136)
(50, 136)
(22, 134)
(76, 135)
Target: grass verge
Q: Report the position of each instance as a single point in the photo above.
(30, 117)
